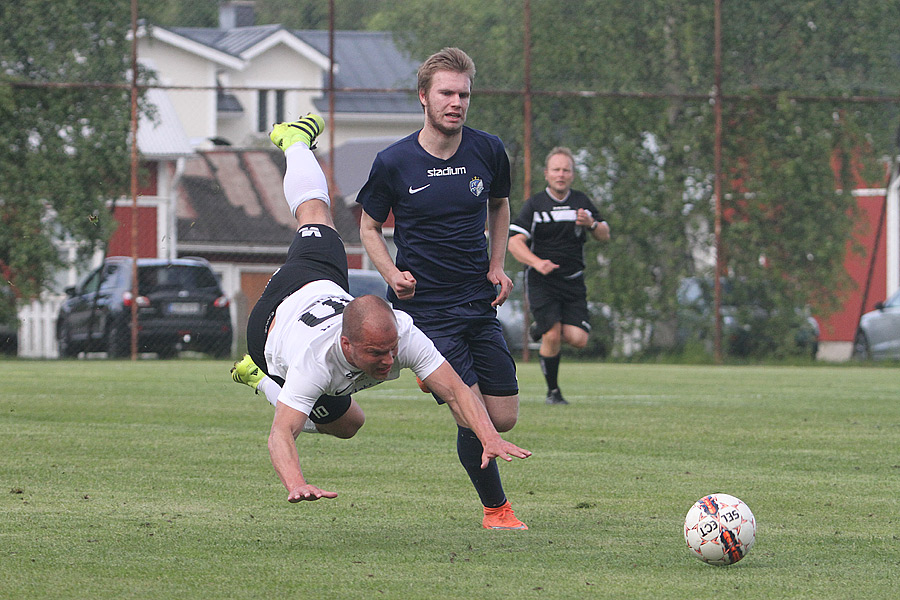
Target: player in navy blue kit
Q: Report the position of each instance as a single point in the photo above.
(443, 183)
(311, 344)
(548, 237)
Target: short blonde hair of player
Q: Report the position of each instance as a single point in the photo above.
(448, 59)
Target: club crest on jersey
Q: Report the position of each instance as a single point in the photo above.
(476, 186)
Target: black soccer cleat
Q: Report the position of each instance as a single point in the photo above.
(555, 397)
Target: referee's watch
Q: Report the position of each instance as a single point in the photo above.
(594, 225)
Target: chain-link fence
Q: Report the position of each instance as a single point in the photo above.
(721, 144)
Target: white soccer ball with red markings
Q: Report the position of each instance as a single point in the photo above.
(719, 529)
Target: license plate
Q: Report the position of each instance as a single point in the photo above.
(184, 308)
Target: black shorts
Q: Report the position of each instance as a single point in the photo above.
(316, 253)
(553, 299)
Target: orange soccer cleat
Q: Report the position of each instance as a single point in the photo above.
(502, 517)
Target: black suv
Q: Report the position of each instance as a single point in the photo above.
(180, 307)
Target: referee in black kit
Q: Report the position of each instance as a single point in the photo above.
(548, 237)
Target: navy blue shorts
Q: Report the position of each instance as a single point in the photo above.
(470, 338)
(316, 253)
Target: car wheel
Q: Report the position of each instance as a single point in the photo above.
(166, 352)
(221, 350)
(64, 340)
(861, 349)
(117, 343)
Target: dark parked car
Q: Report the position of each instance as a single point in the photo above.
(748, 327)
(9, 324)
(878, 335)
(514, 320)
(180, 306)
(9, 338)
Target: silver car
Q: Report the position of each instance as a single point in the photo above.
(365, 281)
(511, 314)
(878, 335)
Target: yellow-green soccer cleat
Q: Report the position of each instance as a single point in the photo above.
(245, 371)
(305, 130)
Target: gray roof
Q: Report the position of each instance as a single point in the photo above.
(230, 41)
(368, 60)
(234, 199)
(352, 162)
(364, 59)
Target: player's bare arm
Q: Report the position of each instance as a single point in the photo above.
(370, 232)
(470, 410)
(286, 426)
(518, 247)
(498, 229)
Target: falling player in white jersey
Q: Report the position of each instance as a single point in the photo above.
(311, 344)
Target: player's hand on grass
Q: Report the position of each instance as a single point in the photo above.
(404, 285)
(308, 492)
(502, 449)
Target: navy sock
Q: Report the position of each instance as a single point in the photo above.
(550, 368)
(486, 481)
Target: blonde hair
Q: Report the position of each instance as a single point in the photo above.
(559, 150)
(448, 59)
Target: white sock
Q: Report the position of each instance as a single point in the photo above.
(304, 179)
(271, 390)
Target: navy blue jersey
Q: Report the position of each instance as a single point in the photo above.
(549, 226)
(440, 211)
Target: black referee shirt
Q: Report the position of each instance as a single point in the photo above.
(549, 226)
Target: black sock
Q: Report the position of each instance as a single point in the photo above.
(550, 369)
(486, 481)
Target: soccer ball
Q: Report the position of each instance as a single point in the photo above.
(719, 529)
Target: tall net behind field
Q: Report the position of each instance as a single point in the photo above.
(706, 157)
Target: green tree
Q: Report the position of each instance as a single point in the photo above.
(315, 14)
(293, 14)
(63, 150)
(649, 160)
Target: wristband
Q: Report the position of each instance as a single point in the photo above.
(594, 225)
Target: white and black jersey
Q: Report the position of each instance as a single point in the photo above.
(303, 347)
(549, 226)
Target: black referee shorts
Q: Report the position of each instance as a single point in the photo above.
(553, 299)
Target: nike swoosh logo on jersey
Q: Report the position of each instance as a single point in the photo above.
(413, 190)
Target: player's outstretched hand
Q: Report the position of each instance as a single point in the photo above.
(309, 492)
(502, 449)
(404, 285)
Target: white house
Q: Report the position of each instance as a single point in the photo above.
(231, 83)
(215, 186)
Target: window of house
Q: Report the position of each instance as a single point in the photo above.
(270, 107)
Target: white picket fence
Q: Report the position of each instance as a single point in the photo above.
(37, 327)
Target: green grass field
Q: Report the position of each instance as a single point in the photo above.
(152, 480)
